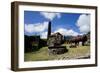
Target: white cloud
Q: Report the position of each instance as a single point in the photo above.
(67, 32)
(83, 23)
(44, 35)
(60, 30)
(37, 27)
(50, 15)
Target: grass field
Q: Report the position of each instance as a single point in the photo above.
(73, 53)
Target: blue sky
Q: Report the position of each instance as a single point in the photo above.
(36, 23)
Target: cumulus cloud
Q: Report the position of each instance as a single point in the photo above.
(67, 32)
(50, 15)
(37, 27)
(44, 35)
(83, 23)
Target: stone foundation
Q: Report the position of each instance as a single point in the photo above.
(57, 50)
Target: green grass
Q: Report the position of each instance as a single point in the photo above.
(73, 53)
(40, 55)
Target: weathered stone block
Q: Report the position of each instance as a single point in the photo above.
(57, 50)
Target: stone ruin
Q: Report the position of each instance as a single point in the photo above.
(54, 42)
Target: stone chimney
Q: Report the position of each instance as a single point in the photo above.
(49, 29)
